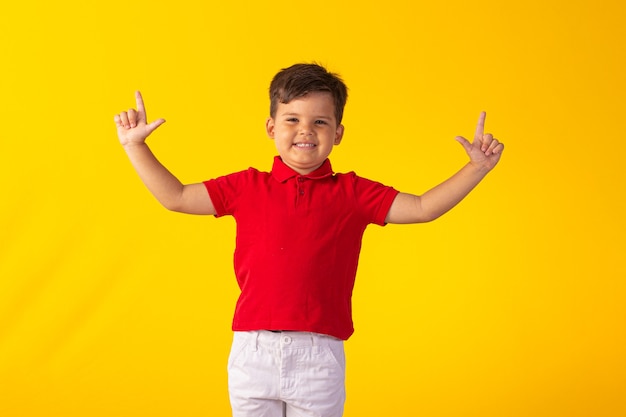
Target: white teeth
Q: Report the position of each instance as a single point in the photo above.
(304, 145)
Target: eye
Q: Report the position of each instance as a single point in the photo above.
(292, 119)
(320, 122)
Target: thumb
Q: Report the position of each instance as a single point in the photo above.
(465, 143)
(151, 127)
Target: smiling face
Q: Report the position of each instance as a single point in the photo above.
(305, 131)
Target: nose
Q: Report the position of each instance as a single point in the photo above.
(306, 129)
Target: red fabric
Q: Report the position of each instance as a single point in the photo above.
(298, 244)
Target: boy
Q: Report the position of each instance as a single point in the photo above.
(299, 230)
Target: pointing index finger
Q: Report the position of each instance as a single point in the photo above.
(480, 127)
(141, 109)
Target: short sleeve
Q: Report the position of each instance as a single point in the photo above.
(226, 190)
(374, 199)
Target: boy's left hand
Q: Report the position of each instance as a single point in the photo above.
(485, 150)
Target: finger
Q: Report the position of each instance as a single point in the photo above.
(152, 126)
(498, 149)
(465, 143)
(141, 109)
(480, 126)
(124, 120)
(486, 141)
(132, 117)
(494, 143)
(117, 120)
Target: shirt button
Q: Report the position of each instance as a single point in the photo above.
(286, 340)
(301, 192)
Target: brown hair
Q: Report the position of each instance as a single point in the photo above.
(300, 79)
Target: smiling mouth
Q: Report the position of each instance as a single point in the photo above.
(306, 145)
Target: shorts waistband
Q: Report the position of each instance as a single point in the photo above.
(286, 338)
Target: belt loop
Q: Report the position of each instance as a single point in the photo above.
(255, 342)
(315, 343)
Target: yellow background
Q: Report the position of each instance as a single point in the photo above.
(511, 305)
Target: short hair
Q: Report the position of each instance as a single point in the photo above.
(301, 79)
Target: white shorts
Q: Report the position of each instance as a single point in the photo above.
(286, 374)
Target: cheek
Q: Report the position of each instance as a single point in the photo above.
(282, 141)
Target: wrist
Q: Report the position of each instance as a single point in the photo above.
(478, 168)
(129, 146)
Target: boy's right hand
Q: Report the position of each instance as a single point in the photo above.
(132, 126)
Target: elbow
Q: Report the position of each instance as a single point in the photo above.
(429, 214)
(173, 201)
(424, 212)
(172, 205)
(428, 217)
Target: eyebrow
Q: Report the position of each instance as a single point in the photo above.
(298, 114)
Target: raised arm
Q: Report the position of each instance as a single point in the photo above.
(484, 152)
(132, 130)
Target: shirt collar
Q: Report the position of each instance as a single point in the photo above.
(282, 172)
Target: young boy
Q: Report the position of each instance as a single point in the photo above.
(299, 230)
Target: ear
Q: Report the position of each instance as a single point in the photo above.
(339, 134)
(269, 127)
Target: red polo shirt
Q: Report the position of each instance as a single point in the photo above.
(298, 244)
